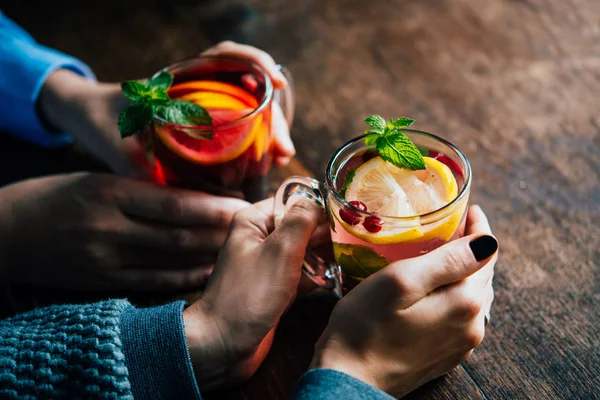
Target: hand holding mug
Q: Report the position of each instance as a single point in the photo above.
(89, 112)
(230, 329)
(415, 319)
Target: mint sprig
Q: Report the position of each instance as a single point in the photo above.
(150, 100)
(393, 145)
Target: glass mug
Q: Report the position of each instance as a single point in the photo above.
(358, 253)
(235, 153)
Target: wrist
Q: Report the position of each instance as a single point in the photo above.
(331, 353)
(206, 344)
(59, 100)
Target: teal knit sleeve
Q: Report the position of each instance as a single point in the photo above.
(64, 352)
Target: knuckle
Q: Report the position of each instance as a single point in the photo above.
(172, 207)
(469, 306)
(225, 44)
(236, 219)
(474, 336)
(99, 256)
(301, 213)
(402, 283)
(224, 217)
(180, 238)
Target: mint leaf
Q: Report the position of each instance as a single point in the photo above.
(135, 117)
(182, 112)
(150, 99)
(393, 145)
(373, 132)
(399, 150)
(370, 140)
(135, 91)
(358, 261)
(375, 121)
(402, 122)
(349, 178)
(162, 81)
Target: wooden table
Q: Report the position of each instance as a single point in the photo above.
(514, 83)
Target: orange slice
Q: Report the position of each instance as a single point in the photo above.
(226, 145)
(185, 88)
(210, 100)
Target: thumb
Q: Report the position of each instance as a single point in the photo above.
(450, 263)
(290, 239)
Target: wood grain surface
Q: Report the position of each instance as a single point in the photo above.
(514, 83)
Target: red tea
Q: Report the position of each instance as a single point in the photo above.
(234, 154)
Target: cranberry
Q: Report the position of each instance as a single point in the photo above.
(373, 224)
(349, 216)
(359, 204)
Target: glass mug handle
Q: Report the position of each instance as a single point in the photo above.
(285, 97)
(324, 274)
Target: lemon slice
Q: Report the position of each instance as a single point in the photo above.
(395, 192)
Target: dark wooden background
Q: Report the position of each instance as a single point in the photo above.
(514, 83)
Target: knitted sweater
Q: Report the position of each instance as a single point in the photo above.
(111, 350)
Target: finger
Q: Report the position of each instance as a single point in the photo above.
(145, 280)
(257, 56)
(177, 206)
(477, 222)
(182, 239)
(462, 301)
(136, 257)
(288, 243)
(252, 225)
(283, 145)
(450, 263)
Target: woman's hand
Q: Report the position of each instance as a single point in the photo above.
(89, 111)
(230, 329)
(94, 231)
(416, 319)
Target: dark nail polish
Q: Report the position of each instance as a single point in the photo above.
(483, 247)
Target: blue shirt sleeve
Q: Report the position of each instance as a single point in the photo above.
(24, 67)
(328, 384)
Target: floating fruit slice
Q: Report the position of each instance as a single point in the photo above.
(358, 261)
(262, 140)
(395, 192)
(226, 144)
(215, 100)
(181, 89)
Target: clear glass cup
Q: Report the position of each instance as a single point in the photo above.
(235, 153)
(357, 253)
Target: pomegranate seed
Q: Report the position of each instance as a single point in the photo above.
(359, 204)
(373, 224)
(349, 216)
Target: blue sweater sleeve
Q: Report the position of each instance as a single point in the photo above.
(24, 67)
(107, 350)
(328, 384)
(157, 356)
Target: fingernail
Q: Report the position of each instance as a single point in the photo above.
(483, 247)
